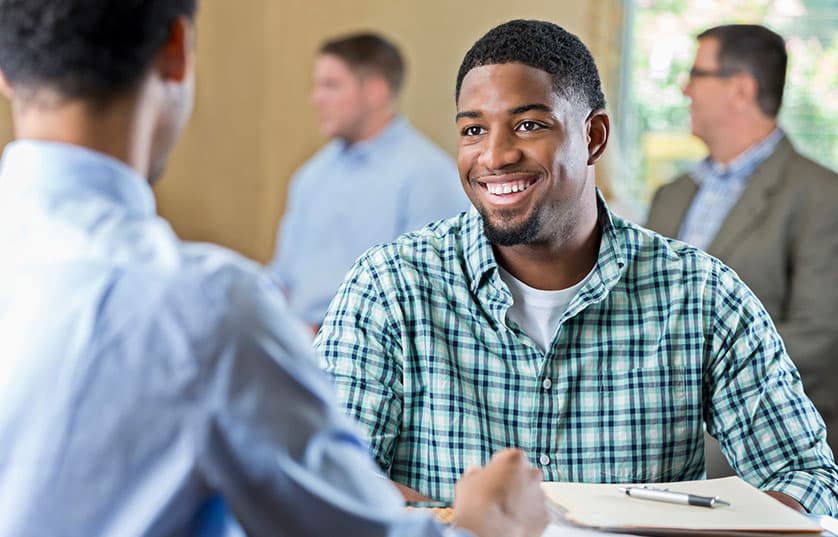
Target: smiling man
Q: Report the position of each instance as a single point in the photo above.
(542, 321)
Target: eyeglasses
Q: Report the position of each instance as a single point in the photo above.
(697, 72)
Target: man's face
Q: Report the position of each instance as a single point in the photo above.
(523, 154)
(339, 98)
(709, 90)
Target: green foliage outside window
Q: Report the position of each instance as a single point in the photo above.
(663, 40)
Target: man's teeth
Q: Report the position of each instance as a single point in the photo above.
(507, 188)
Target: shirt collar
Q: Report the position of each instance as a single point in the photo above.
(55, 168)
(392, 131)
(481, 264)
(751, 157)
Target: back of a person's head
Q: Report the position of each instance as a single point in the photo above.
(758, 51)
(91, 50)
(369, 54)
(544, 46)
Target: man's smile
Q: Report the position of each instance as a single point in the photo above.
(507, 189)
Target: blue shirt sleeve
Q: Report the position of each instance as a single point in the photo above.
(273, 442)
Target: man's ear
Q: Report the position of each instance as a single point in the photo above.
(746, 89)
(174, 59)
(5, 88)
(598, 126)
(377, 89)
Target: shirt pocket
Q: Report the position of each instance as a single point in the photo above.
(649, 419)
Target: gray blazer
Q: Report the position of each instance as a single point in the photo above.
(781, 237)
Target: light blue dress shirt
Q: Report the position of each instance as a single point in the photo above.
(719, 188)
(141, 375)
(348, 198)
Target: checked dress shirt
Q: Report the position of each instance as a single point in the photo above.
(660, 340)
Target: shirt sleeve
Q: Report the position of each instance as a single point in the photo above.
(274, 444)
(363, 358)
(767, 428)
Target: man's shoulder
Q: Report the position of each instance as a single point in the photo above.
(416, 146)
(801, 168)
(655, 255)
(315, 164)
(662, 262)
(188, 280)
(436, 247)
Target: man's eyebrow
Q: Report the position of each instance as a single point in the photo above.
(467, 113)
(527, 107)
(514, 112)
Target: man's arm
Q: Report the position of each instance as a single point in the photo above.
(411, 495)
(273, 442)
(786, 500)
(767, 427)
(362, 356)
(287, 460)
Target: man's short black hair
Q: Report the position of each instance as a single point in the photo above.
(84, 49)
(760, 52)
(545, 46)
(366, 53)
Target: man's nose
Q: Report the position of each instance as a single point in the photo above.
(499, 151)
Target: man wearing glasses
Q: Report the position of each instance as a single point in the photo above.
(757, 204)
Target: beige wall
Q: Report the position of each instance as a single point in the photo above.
(252, 125)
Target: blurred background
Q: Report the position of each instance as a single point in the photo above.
(253, 125)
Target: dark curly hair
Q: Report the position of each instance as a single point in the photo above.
(84, 49)
(545, 46)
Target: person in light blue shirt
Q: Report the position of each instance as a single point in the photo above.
(377, 178)
(141, 376)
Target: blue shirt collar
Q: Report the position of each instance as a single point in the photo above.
(750, 159)
(53, 168)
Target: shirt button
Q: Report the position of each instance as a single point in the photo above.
(544, 460)
(547, 384)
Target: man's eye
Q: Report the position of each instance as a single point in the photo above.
(473, 130)
(529, 126)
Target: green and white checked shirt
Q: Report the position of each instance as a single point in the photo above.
(662, 339)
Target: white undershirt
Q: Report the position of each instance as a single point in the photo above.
(537, 312)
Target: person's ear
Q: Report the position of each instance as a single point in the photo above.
(175, 57)
(5, 88)
(598, 126)
(746, 89)
(378, 91)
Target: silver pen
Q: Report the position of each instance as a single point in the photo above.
(670, 496)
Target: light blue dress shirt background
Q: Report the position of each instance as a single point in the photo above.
(719, 188)
(348, 198)
(141, 375)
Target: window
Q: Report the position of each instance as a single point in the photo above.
(655, 125)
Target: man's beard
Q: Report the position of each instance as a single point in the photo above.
(523, 233)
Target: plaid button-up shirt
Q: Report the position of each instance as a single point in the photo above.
(662, 339)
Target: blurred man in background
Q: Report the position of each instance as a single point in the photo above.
(758, 205)
(377, 177)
